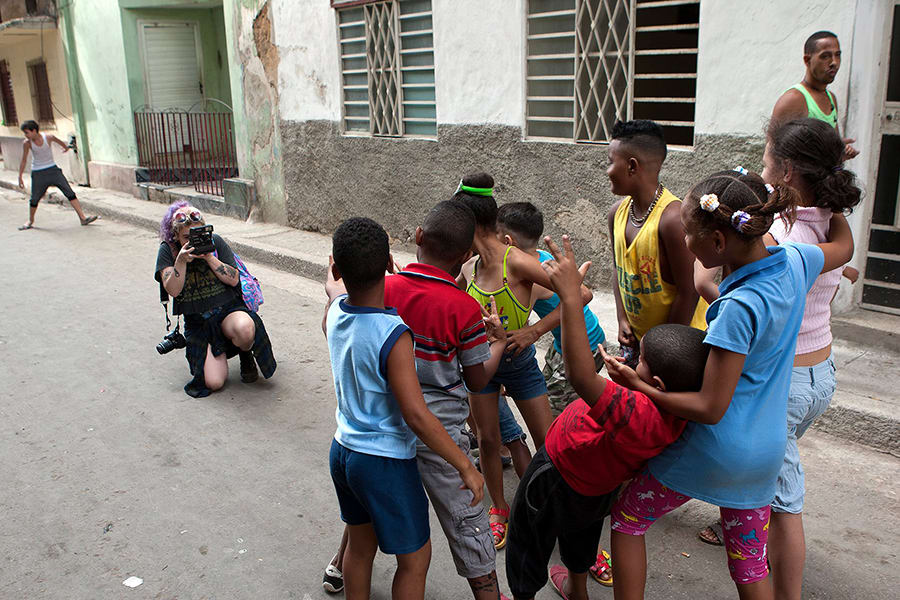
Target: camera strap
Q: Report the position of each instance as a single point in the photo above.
(164, 300)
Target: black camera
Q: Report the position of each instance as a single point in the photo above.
(171, 341)
(201, 239)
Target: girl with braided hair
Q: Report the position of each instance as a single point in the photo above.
(732, 449)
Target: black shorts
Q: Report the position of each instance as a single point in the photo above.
(547, 509)
(44, 178)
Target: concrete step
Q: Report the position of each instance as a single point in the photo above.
(864, 408)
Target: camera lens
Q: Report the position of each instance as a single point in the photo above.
(170, 342)
(165, 346)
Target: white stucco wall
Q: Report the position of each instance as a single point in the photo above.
(309, 79)
(863, 117)
(479, 62)
(750, 52)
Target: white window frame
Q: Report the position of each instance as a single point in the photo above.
(581, 67)
(386, 72)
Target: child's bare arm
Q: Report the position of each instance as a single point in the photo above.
(466, 273)
(479, 375)
(62, 144)
(626, 336)
(580, 369)
(26, 148)
(681, 265)
(401, 375)
(838, 249)
(720, 378)
(333, 289)
(526, 267)
(704, 281)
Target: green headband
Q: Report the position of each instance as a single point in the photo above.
(474, 190)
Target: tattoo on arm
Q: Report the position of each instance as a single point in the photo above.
(174, 270)
(225, 270)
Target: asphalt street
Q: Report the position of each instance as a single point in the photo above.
(109, 470)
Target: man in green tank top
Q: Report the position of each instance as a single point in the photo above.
(811, 97)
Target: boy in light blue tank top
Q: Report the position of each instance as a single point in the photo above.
(380, 412)
(521, 224)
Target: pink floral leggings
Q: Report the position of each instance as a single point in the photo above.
(746, 530)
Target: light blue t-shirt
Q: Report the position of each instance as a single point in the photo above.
(735, 463)
(545, 307)
(360, 338)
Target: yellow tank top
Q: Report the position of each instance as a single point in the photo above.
(646, 296)
(512, 313)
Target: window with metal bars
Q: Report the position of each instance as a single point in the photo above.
(40, 92)
(7, 100)
(593, 62)
(387, 68)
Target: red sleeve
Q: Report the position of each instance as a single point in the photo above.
(632, 418)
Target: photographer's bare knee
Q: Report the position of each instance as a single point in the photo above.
(240, 329)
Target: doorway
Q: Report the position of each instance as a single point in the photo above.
(881, 283)
(173, 75)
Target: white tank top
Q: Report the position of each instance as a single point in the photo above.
(42, 156)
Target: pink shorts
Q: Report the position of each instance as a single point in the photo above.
(746, 530)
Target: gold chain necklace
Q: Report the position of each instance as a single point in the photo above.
(637, 222)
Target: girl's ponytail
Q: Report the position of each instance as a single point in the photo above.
(837, 190)
(815, 151)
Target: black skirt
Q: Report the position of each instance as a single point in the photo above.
(205, 330)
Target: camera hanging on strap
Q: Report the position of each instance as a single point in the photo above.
(173, 339)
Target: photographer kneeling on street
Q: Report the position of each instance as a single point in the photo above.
(205, 285)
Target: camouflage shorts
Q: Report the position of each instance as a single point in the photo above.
(559, 390)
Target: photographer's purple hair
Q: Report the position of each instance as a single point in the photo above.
(166, 233)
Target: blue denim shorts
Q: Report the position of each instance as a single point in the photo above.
(811, 391)
(520, 375)
(510, 430)
(386, 492)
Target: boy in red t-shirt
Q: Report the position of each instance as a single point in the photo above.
(593, 446)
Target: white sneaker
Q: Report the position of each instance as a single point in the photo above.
(333, 580)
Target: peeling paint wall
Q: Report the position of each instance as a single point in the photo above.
(255, 96)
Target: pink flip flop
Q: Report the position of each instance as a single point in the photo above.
(558, 576)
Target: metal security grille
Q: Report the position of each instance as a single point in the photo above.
(7, 100)
(603, 51)
(40, 92)
(387, 68)
(592, 62)
(382, 60)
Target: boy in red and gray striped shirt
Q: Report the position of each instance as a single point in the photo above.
(452, 346)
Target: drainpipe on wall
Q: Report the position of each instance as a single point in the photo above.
(72, 74)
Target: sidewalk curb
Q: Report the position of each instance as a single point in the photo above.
(845, 329)
(846, 420)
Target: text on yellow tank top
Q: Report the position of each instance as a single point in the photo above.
(646, 296)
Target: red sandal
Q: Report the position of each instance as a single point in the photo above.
(601, 566)
(499, 530)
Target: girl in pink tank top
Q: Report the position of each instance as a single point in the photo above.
(806, 154)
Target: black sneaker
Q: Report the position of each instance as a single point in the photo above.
(249, 373)
(332, 580)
